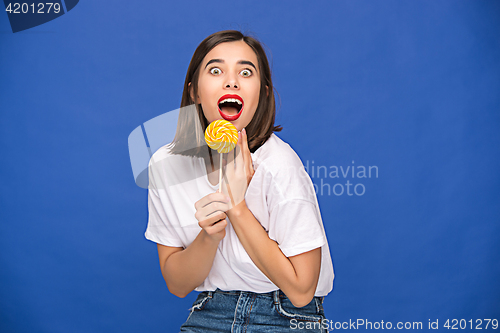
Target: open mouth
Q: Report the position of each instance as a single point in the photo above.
(230, 107)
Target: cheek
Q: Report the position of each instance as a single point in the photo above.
(254, 92)
(204, 99)
(203, 91)
(256, 100)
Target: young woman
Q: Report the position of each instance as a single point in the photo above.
(257, 251)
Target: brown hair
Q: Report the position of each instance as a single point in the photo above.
(260, 127)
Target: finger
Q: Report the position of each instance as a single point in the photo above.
(240, 141)
(215, 207)
(217, 196)
(247, 155)
(244, 165)
(231, 163)
(227, 189)
(217, 227)
(243, 143)
(238, 152)
(240, 161)
(212, 209)
(207, 223)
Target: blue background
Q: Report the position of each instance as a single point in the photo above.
(411, 87)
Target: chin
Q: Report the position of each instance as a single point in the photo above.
(239, 124)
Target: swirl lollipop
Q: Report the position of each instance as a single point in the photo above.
(222, 136)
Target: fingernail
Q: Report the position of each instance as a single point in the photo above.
(244, 131)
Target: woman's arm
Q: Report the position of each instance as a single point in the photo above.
(185, 269)
(296, 276)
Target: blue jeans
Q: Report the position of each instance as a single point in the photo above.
(243, 311)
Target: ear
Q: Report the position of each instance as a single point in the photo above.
(267, 91)
(191, 92)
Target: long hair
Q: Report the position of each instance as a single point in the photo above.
(189, 137)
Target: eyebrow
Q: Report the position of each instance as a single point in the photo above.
(241, 62)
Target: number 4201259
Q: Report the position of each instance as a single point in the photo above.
(39, 8)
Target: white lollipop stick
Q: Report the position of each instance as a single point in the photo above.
(220, 174)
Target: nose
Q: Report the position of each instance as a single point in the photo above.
(231, 82)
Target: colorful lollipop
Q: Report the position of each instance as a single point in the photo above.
(222, 136)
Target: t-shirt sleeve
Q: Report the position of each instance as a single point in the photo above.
(159, 229)
(296, 227)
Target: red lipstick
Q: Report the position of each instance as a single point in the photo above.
(226, 116)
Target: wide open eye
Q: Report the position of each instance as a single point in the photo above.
(215, 71)
(246, 73)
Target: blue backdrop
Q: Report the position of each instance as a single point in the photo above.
(408, 88)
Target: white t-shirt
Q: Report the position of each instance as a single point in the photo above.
(280, 195)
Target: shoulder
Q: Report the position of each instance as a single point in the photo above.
(276, 153)
(164, 156)
(177, 168)
(280, 167)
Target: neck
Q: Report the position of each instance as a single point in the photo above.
(212, 163)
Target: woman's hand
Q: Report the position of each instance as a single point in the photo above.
(211, 216)
(238, 172)
(184, 269)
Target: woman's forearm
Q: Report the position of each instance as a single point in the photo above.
(185, 270)
(267, 256)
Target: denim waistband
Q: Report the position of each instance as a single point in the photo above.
(275, 295)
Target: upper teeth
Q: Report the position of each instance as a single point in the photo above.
(231, 100)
